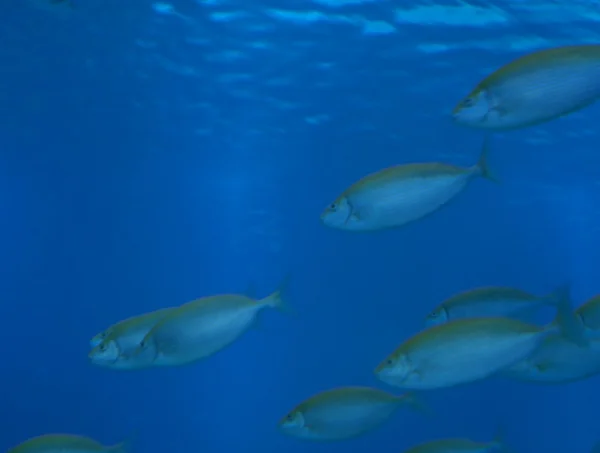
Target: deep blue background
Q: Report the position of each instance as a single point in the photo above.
(146, 160)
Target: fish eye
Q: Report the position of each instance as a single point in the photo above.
(333, 206)
(102, 347)
(389, 362)
(433, 314)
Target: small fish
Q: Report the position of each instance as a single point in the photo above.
(470, 349)
(398, 195)
(200, 328)
(132, 330)
(533, 89)
(457, 445)
(343, 413)
(557, 361)
(66, 443)
(492, 301)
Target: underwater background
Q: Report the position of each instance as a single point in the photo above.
(152, 154)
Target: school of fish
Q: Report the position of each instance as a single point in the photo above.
(471, 336)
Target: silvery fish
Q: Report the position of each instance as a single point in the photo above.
(399, 195)
(114, 348)
(200, 328)
(492, 301)
(557, 361)
(533, 89)
(343, 413)
(132, 330)
(469, 349)
(66, 443)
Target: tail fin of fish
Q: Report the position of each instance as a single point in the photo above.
(557, 295)
(482, 164)
(125, 446)
(279, 298)
(568, 322)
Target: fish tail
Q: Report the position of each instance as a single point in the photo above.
(279, 298)
(568, 321)
(125, 446)
(482, 165)
(415, 402)
(557, 295)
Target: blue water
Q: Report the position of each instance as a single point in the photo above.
(149, 159)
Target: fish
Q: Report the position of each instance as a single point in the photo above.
(131, 331)
(66, 443)
(202, 327)
(402, 194)
(457, 445)
(344, 413)
(470, 349)
(533, 89)
(492, 301)
(557, 361)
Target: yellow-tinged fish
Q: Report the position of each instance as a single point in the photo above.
(557, 361)
(457, 445)
(343, 413)
(132, 330)
(200, 328)
(469, 349)
(533, 89)
(493, 301)
(66, 443)
(399, 195)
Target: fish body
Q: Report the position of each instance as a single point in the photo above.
(470, 349)
(398, 195)
(341, 413)
(64, 443)
(557, 361)
(200, 328)
(459, 352)
(533, 89)
(491, 301)
(457, 445)
(131, 331)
